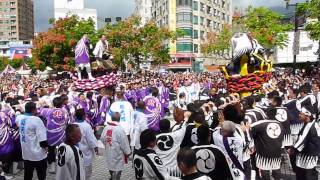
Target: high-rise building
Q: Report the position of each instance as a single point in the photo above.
(143, 10)
(64, 8)
(196, 18)
(16, 20)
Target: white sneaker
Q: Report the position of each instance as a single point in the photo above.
(52, 168)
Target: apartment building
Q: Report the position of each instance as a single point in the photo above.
(16, 20)
(143, 10)
(196, 18)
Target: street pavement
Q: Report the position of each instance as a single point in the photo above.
(99, 172)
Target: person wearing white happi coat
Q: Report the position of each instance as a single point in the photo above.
(232, 145)
(140, 123)
(307, 147)
(70, 158)
(88, 144)
(146, 162)
(180, 102)
(100, 48)
(126, 112)
(211, 160)
(186, 90)
(194, 91)
(33, 139)
(168, 145)
(116, 145)
(187, 163)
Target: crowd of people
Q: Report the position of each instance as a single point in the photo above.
(50, 125)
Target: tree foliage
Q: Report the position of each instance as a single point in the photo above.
(266, 26)
(15, 63)
(312, 9)
(128, 37)
(263, 24)
(218, 44)
(55, 48)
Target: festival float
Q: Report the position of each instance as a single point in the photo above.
(250, 66)
(93, 75)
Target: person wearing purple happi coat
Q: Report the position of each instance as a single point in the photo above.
(92, 107)
(145, 91)
(82, 57)
(139, 94)
(56, 125)
(81, 103)
(8, 116)
(6, 142)
(131, 97)
(153, 109)
(67, 108)
(164, 98)
(104, 106)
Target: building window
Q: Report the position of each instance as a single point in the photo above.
(208, 10)
(208, 23)
(195, 34)
(202, 35)
(184, 3)
(223, 3)
(184, 47)
(188, 32)
(201, 7)
(202, 21)
(195, 5)
(223, 16)
(195, 48)
(195, 20)
(184, 17)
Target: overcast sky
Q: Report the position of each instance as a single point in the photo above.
(122, 8)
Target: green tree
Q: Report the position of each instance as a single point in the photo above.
(265, 25)
(55, 47)
(4, 61)
(128, 37)
(312, 9)
(16, 63)
(218, 44)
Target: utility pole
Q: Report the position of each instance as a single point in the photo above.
(296, 41)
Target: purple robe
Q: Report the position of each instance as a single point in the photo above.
(82, 52)
(142, 93)
(70, 116)
(164, 97)
(102, 112)
(56, 124)
(6, 136)
(131, 97)
(153, 112)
